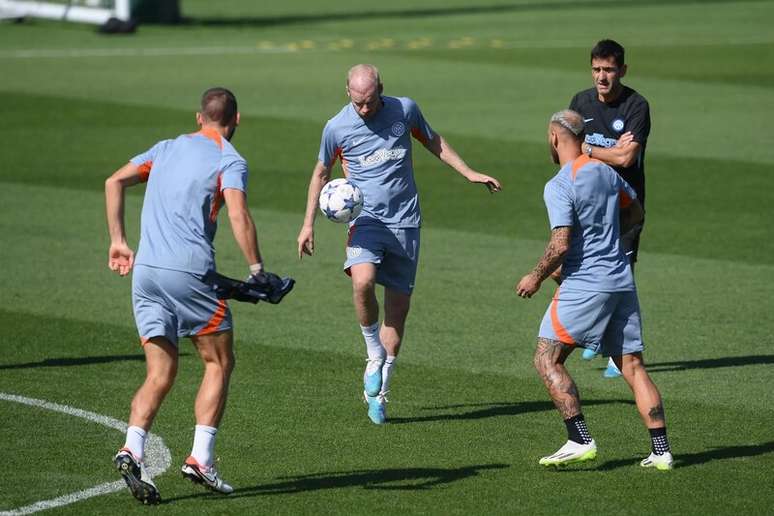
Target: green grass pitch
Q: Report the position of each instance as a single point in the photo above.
(469, 416)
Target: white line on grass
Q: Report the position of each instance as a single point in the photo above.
(157, 461)
(139, 52)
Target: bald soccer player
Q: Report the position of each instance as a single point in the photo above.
(371, 136)
(188, 179)
(596, 305)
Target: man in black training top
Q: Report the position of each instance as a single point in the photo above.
(616, 125)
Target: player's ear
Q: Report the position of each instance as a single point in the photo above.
(623, 71)
(199, 119)
(381, 88)
(237, 118)
(553, 136)
(347, 88)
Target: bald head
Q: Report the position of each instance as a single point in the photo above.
(569, 122)
(364, 88)
(363, 76)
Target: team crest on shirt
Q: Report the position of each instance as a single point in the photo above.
(398, 128)
(618, 125)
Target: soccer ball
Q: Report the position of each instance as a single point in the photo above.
(341, 201)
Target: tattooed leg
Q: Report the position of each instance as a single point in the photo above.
(549, 362)
(646, 393)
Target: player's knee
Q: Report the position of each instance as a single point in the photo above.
(221, 360)
(362, 284)
(161, 380)
(631, 365)
(228, 364)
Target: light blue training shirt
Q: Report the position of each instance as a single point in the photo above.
(376, 156)
(186, 178)
(586, 195)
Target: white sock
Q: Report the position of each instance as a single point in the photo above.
(387, 370)
(204, 445)
(135, 441)
(610, 363)
(374, 347)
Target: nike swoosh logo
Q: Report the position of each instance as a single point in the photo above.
(587, 120)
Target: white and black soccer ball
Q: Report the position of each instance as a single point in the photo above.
(341, 201)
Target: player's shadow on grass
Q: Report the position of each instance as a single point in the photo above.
(398, 479)
(78, 361)
(709, 363)
(683, 460)
(487, 410)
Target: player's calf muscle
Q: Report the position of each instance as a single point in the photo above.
(559, 383)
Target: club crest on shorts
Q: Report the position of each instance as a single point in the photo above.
(618, 125)
(354, 252)
(398, 128)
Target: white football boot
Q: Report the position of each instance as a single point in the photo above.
(663, 462)
(208, 477)
(571, 453)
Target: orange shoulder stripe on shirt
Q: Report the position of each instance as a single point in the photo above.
(216, 319)
(336, 154)
(559, 329)
(578, 163)
(217, 199)
(144, 170)
(212, 134)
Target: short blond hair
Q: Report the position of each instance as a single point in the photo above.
(366, 70)
(569, 120)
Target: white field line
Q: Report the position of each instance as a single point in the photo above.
(158, 457)
(50, 53)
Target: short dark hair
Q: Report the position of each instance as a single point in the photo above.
(608, 48)
(219, 105)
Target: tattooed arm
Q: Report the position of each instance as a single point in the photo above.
(552, 258)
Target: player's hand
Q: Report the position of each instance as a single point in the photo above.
(625, 139)
(120, 258)
(528, 285)
(305, 242)
(491, 183)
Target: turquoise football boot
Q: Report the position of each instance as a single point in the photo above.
(376, 408)
(612, 371)
(372, 377)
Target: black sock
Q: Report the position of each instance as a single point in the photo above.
(658, 440)
(577, 430)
